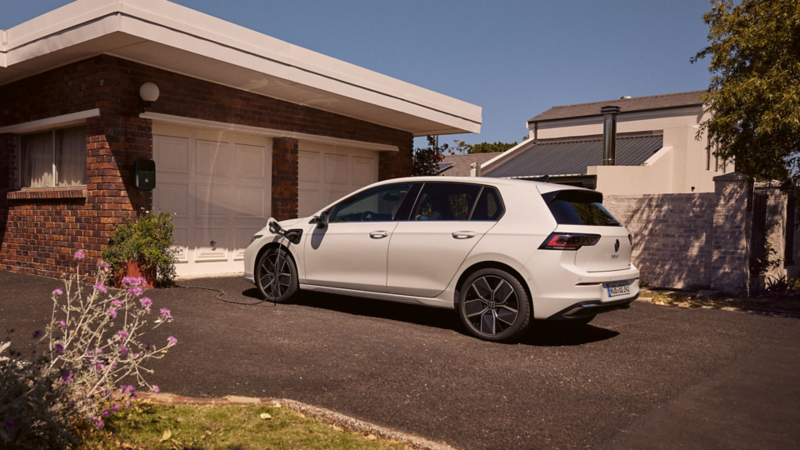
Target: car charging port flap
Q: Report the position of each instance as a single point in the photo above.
(569, 241)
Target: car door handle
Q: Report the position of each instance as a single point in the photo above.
(463, 234)
(378, 234)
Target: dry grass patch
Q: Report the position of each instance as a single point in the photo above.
(161, 426)
(783, 305)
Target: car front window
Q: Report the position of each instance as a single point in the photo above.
(379, 204)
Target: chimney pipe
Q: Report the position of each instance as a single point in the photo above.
(609, 134)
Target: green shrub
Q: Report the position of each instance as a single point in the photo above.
(146, 239)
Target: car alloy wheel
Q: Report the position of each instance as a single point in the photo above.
(276, 275)
(494, 306)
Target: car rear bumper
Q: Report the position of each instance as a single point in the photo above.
(585, 309)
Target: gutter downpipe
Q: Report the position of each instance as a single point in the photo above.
(609, 134)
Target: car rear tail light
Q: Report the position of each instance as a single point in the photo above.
(569, 241)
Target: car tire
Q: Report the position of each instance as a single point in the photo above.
(494, 306)
(276, 261)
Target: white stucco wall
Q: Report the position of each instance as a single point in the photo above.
(682, 167)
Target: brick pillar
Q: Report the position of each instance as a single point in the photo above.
(8, 165)
(284, 178)
(730, 234)
(397, 164)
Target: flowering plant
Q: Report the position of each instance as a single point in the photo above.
(146, 239)
(95, 340)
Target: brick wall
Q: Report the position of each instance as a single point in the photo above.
(689, 240)
(39, 235)
(284, 178)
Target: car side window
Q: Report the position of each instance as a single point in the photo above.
(379, 204)
(489, 206)
(445, 201)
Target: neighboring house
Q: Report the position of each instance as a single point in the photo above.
(460, 165)
(656, 147)
(245, 127)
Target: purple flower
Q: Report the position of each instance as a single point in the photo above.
(172, 340)
(147, 346)
(123, 334)
(112, 312)
(167, 315)
(116, 303)
(156, 389)
(106, 413)
(136, 355)
(147, 303)
(70, 401)
(9, 424)
(142, 281)
(37, 334)
(67, 376)
(62, 324)
(99, 424)
(135, 291)
(59, 348)
(103, 264)
(127, 404)
(115, 407)
(57, 291)
(123, 349)
(127, 280)
(100, 287)
(79, 255)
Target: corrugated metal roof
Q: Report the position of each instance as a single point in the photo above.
(626, 105)
(462, 163)
(573, 157)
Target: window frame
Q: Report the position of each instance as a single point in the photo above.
(53, 167)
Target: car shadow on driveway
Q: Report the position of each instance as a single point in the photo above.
(543, 334)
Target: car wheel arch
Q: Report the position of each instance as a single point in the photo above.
(272, 245)
(492, 265)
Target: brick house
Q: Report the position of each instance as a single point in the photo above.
(244, 127)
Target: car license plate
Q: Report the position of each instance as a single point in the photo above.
(616, 289)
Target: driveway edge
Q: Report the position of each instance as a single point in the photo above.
(326, 416)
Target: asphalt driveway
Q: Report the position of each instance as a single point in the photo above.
(647, 377)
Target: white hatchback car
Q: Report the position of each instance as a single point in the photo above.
(502, 253)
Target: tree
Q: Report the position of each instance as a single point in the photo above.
(462, 147)
(754, 96)
(426, 160)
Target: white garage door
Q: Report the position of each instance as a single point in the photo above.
(217, 185)
(327, 173)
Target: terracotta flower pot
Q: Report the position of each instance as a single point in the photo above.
(133, 269)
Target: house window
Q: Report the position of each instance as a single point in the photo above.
(55, 158)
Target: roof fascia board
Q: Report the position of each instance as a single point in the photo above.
(51, 122)
(654, 113)
(269, 132)
(507, 153)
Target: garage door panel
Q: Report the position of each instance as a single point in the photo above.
(308, 201)
(213, 200)
(241, 241)
(212, 158)
(363, 171)
(336, 169)
(250, 202)
(174, 199)
(308, 167)
(250, 161)
(180, 244)
(205, 251)
(171, 154)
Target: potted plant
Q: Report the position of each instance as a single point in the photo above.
(142, 247)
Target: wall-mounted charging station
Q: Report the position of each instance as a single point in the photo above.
(145, 173)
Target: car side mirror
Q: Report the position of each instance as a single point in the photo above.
(322, 219)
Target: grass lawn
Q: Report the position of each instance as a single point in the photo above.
(161, 426)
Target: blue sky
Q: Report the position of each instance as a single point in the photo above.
(514, 58)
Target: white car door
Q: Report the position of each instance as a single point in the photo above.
(351, 251)
(427, 250)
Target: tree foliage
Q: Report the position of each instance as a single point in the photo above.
(462, 147)
(754, 96)
(426, 160)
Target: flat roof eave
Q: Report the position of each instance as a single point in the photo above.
(206, 47)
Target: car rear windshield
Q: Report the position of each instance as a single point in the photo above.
(579, 208)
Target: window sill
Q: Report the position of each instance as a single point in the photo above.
(42, 194)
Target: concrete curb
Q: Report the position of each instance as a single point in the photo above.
(323, 415)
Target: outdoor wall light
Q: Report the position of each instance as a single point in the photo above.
(149, 93)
